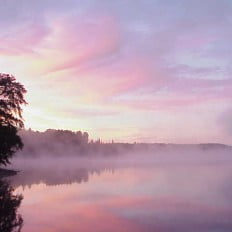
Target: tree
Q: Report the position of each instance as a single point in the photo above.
(11, 101)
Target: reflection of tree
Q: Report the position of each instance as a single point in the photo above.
(10, 220)
(59, 173)
(33, 175)
(11, 100)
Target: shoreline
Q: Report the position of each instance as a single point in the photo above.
(7, 172)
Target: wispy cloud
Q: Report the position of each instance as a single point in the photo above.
(93, 58)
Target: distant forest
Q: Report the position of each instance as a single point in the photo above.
(65, 143)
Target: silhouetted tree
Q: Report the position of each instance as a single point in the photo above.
(11, 101)
(10, 220)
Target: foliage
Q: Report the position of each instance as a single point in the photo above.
(11, 101)
(10, 143)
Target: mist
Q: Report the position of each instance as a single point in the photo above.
(68, 165)
(165, 187)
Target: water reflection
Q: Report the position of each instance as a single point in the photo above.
(56, 173)
(104, 197)
(10, 220)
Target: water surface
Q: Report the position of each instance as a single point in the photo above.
(174, 194)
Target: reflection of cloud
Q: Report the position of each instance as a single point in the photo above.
(173, 195)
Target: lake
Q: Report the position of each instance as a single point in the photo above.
(177, 193)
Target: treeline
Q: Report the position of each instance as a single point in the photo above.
(54, 142)
(54, 136)
(65, 142)
(68, 143)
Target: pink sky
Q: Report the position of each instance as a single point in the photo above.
(155, 71)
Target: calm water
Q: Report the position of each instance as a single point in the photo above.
(182, 195)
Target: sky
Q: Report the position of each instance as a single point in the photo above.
(128, 70)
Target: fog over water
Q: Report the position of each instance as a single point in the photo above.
(179, 188)
(100, 102)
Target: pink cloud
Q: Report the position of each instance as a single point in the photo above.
(87, 59)
(82, 42)
(22, 40)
